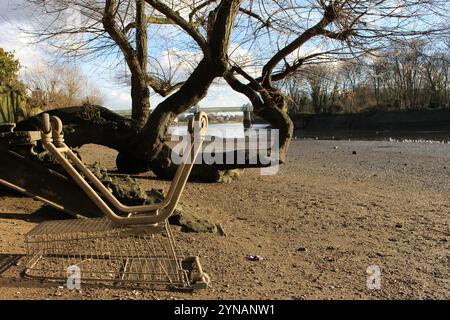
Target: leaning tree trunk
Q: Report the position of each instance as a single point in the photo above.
(142, 148)
(152, 144)
(271, 105)
(275, 112)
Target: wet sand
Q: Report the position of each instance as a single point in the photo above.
(335, 208)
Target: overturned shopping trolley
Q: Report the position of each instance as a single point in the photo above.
(134, 248)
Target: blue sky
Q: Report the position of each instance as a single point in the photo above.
(116, 95)
(170, 40)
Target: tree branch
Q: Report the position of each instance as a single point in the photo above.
(265, 23)
(163, 89)
(150, 20)
(182, 23)
(330, 14)
(119, 37)
(198, 8)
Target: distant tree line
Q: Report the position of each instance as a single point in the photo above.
(409, 76)
(40, 88)
(59, 86)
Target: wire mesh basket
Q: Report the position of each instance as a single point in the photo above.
(144, 256)
(136, 248)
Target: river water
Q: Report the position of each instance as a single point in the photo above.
(223, 130)
(236, 130)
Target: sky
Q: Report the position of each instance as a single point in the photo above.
(15, 18)
(13, 22)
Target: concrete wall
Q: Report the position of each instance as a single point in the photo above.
(398, 120)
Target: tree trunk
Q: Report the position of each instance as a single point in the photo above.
(144, 146)
(140, 92)
(154, 132)
(271, 105)
(279, 119)
(140, 96)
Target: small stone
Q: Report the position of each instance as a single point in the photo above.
(354, 152)
(255, 258)
(221, 230)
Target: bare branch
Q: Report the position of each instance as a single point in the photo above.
(182, 23)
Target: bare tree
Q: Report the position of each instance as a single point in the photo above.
(405, 76)
(280, 37)
(144, 146)
(299, 33)
(59, 86)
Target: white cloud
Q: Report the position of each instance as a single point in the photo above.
(222, 95)
(245, 59)
(178, 64)
(14, 39)
(174, 64)
(117, 99)
(15, 19)
(219, 95)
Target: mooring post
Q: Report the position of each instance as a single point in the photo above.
(248, 115)
(247, 119)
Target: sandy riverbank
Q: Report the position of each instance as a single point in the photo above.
(319, 224)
